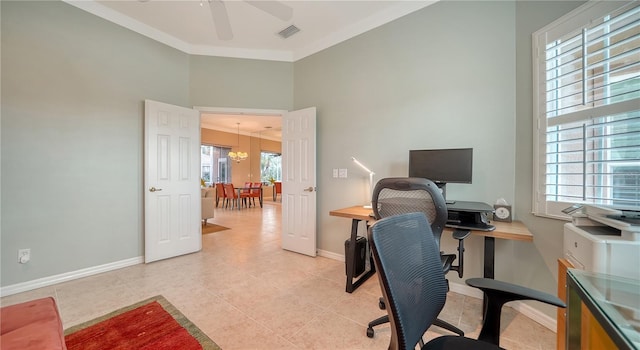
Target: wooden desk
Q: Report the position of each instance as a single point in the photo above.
(356, 212)
(515, 230)
(504, 230)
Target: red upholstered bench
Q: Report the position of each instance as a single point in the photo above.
(34, 324)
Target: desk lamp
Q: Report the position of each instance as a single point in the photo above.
(371, 173)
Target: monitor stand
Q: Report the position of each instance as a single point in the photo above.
(443, 188)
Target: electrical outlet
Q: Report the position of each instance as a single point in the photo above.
(342, 173)
(24, 255)
(335, 173)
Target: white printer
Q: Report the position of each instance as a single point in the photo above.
(605, 240)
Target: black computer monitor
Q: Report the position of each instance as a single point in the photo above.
(442, 166)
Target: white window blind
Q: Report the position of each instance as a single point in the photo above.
(587, 103)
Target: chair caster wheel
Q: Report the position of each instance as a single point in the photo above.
(370, 332)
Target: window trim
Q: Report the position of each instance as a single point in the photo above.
(559, 28)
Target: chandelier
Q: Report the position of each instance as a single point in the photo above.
(238, 156)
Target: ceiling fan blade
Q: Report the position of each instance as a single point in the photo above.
(221, 19)
(274, 8)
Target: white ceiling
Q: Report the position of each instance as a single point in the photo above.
(257, 125)
(188, 25)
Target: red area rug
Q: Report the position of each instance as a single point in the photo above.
(150, 324)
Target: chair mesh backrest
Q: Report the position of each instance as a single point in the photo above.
(411, 276)
(400, 195)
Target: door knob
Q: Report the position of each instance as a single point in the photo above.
(153, 189)
(309, 189)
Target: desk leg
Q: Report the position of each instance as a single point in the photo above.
(350, 261)
(489, 257)
(489, 265)
(351, 253)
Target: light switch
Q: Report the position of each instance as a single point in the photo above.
(335, 172)
(342, 173)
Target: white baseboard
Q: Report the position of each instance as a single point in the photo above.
(68, 276)
(465, 290)
(330, 255)
(534, 314)
(526, 310)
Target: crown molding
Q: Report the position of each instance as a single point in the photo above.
(361, 27)
(357, 28)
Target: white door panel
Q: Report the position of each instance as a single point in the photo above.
(172, 181)
(299, 181)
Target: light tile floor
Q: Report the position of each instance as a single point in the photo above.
(245, 292)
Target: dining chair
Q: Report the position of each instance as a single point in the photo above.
(255, 192)
(220, 193)
(231, 195)
(277, 188)
(245, 193)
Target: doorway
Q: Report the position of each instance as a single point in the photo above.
(259, 132)
(298, 148)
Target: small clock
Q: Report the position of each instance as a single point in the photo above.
(502, 213)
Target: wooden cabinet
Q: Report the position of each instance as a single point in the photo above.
(592, 335)
(563, 265)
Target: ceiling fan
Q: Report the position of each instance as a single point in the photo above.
(221, 16)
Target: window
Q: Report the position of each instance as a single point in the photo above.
(586, 72)
(270, 166)
(213, 164)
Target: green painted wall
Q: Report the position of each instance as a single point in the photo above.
(73, 88)
(533, 267)
(240, 83)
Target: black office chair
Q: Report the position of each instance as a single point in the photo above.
(415, 290)
(399, 195)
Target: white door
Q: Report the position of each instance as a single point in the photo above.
(171, 181)
(299, 181)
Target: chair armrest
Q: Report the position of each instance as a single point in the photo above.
(497, 294)
(460, 234)
(513, 291)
